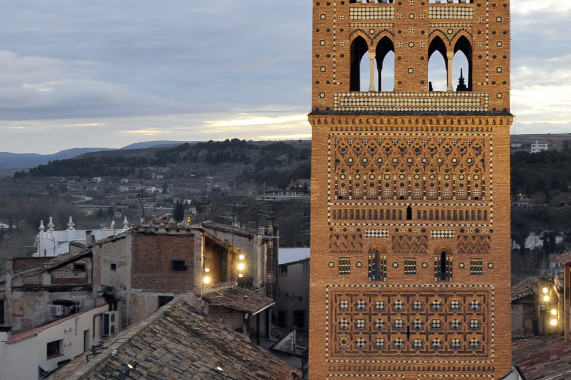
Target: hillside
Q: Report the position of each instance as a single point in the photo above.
(231, 161)
(225, 181)
(18, 161)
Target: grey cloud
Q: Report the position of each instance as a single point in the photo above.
(132, 58)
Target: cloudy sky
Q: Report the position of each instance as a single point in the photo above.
(107, 73)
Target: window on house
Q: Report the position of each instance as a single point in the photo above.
(2, 312)
(299, 318)
(78, 266)
(113, 266)
(54, 349)
(163, 300)
(281, 318)
(178, 266)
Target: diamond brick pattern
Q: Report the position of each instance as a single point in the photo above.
(355, 317)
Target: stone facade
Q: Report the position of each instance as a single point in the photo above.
(410, 268)
(293, 295)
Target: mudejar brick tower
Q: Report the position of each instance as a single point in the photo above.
(410, 235)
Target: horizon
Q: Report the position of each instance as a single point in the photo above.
(115, 73)
(174, 142)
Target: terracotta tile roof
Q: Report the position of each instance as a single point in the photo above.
(26, 334)
(178, 343)
(226, 228)
(56, 262)
(524, 288)
(68, 258)
(547, 357)
(239, 299)
(564, 259)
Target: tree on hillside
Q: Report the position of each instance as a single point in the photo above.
(178, 212)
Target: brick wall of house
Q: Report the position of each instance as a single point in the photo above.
(23, 263)
(152, 263)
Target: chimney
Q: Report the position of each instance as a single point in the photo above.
(89, 238)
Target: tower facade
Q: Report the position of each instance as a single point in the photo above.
(410, 235)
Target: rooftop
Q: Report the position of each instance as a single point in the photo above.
(564, 259)
(239, 299)
(546, 357)
(26, 334)
(524, 288)
(177, 342)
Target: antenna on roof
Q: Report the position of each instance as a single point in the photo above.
(141, 202)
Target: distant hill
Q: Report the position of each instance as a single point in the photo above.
(17, 161)
(235, 161)
(153, 144)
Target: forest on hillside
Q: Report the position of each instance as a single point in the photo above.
(274, 163)
(544, 175)
(543, 179)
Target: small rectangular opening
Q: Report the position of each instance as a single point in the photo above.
(178, 266)
(54, 349)
(163, 300)
(299, 318)
(77, 266)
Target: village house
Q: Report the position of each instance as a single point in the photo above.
(293, 295)
(52, 242)
(178, 342)
(106, 285)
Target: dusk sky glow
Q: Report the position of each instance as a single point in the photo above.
(111, 73)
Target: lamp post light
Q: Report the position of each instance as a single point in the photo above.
(548, 305)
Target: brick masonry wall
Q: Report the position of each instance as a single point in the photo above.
(152, 256)
(23, 263)
(492, 358)
(411, 26)
(446, 160)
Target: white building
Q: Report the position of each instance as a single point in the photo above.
(34, 353)
(52, 243)
(537, 147)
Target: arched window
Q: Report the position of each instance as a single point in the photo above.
(359, 49)
(437, 65)
(443, 268)
(385, 57)
(462, 64)
(443, 265)
(377, 264)
(409, 213)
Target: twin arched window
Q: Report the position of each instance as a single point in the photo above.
(445, 72)
(450, 72)
(363, 65)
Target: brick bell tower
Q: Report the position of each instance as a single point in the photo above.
(410, 224)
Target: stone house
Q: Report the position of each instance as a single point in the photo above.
(133, 273)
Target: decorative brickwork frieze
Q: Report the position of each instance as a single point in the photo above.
(410, 191)
(391, 324)
(434, 101)
(409, 244)
(474, 244)
(346, 243)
